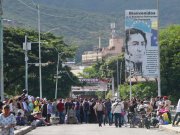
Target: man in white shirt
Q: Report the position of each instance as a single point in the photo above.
(117, 109)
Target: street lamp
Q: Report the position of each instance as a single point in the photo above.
(39, 41)
(39, 33)
(1, 55)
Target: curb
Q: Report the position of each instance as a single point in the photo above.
(24, 130)
(170, 129)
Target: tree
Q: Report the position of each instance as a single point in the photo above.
(170, 61)
(105, 69)
(14, 69)
(141, 90)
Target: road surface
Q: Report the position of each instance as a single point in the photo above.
(94, 129)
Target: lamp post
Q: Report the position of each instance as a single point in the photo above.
(1, 54)
(39, 35)
(39, 42)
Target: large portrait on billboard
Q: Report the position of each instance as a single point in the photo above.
(141, 43)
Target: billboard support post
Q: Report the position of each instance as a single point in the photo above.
(159, 71)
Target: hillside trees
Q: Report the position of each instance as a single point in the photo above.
(106, 69)
(14, 69)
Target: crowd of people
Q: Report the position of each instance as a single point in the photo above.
(29, 110)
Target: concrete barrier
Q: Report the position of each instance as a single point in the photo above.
(24, 130)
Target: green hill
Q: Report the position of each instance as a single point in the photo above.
(81, 21)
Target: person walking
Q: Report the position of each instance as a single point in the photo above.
(60, 108)
(49, 110)
(99, 110)
(77, 109)
(86, 109)
(55, 111)
(177, 114)
(44, 109)
(117, 108)
(108, 105)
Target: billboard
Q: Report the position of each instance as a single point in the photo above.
(92, 84)
(141, 47)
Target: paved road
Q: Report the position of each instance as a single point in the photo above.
(93, 129)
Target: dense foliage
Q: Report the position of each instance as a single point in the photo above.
(14, 65)
(170, 61)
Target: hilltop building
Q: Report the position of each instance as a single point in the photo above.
(114, 48)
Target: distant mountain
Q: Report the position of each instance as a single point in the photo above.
(168, 8)
(81, 21)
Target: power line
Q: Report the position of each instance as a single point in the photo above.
(33, 2)
(69, 76)
(27, 5)
(34, 9)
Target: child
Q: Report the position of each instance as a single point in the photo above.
(20, 120)
(154, 120)
(160, 119)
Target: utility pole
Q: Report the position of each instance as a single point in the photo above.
(40, 64)
(1, 54)
(120, 79)
(57, 72)
(159, 72)
(113, 87)
(130, 91)
(26, 64)
(117, 78)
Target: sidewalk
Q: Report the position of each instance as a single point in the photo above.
(170, 128)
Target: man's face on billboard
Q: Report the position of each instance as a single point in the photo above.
(136, 47)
